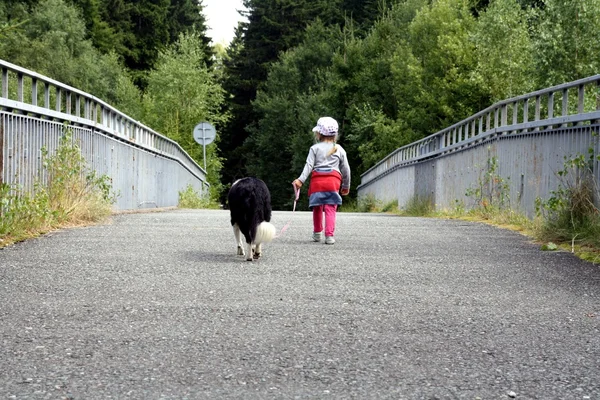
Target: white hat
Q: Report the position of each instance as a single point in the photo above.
(326, 126)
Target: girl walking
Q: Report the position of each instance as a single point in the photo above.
(329, 171)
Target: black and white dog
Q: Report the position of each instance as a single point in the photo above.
(250, 206)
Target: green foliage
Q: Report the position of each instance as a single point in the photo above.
(52, 41)
(491, 193)
(368, 203)
(390, 207)
(571, 212)
(182, 92)
(271, 30)
(549, 246)
(143, 28)
(566, 41)
(71, 194)
(374, 135)
(289, 105)
(504, 50)
(438, 72)
(74, 192)
(190, 198)
(419, 206)
(368, 87)
(21, 214)
(421, 67)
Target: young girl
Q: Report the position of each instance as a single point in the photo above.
(328, 167)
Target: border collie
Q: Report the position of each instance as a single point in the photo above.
(250, 206)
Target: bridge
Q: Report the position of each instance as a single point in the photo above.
(146, 169)
(158, 304)
(522, 142)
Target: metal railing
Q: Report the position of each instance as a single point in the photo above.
(45, 104)
(571, 104)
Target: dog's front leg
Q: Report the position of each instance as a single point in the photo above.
(238, 240)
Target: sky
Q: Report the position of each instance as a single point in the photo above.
(222, 18)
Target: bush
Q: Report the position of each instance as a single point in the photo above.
(571, 214)
(419, 206)
(368, 203)
(72, 195)
(189, 198)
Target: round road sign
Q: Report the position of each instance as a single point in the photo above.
(204, 133)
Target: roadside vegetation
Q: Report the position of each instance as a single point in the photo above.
(70, 195)
(191, 198)
(391, 72)
(568, 220)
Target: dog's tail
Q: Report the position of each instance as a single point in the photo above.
(265, 232)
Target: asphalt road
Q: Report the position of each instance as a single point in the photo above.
(158, 306)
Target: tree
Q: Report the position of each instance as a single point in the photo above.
(436, 85)
(273, 27)
(504, 50)
(288, 106)
(143, 28)
(103, 37)
(567, 42)
(367, 88)
(53, 42)
(182, 91)
(186, 16)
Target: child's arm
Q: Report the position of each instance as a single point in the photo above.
(345, 170)
(308, 167)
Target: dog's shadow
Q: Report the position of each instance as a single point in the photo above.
(213, 257)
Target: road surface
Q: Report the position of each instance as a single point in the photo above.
(158, 306)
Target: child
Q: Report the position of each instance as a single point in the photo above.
(328, 166)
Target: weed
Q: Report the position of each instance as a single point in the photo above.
(190, 198)
(75, 194)
(22, 214)
(72, 194)
(419, 206)
(368, 203)
(391, 207)
(491, 193)
(570, 214)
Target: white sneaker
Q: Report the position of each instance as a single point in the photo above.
(317, 236)
(329, 240)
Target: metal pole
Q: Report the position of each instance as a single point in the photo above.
(204, 148)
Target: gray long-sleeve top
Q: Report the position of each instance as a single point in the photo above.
(318, 159)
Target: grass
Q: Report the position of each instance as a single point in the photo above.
(72, 195)
(190, 198)
(554, 231)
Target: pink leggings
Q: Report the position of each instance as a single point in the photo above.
(329, 210)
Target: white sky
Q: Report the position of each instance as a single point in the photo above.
(222, 18)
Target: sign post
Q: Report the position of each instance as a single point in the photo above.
(204, 133)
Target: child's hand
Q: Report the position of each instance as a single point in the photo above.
(297, 183)
(345, 192)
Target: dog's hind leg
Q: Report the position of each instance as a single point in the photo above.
(238, 239)
(258, 251)
(249, 251)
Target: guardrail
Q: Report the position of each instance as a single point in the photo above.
(567, 105)
(28, 96)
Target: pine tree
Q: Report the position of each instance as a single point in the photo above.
(273, 27)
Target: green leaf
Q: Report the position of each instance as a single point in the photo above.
(549, 246)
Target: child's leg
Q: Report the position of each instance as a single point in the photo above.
(330, 211)
(317, 218)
